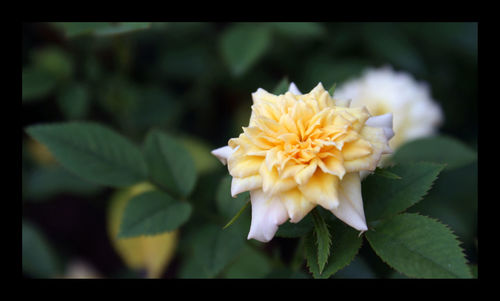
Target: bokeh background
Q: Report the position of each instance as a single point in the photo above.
(189, 80)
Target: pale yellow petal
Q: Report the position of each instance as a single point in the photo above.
(356, 149)
(321, 189)
(272, 183)
(245, 166)
(306, 173)
(296, 205)
(239, 185)
(333, 165)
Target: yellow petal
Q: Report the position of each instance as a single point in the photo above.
(333, 165)
(296, 205)
(356, 149)
(239, 185)
(245, 166)
(272, 183)
(321, 189)
(378, 141)
(306, 173)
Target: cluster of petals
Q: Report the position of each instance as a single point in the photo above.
(384, 90)
(304, 150)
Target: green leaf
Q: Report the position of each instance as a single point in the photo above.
(331, 91)
(299, 29)
(226, 204)
(242, 45)
(93, 152)
(37, 83)
(384, 197)
(281, 87)
(291, 230)
(44, 183)
(121, 28)
(346, 243)
(214, 248)
(55, 61)
(323, 240)
(386, 174)
(286, 273)
(152, 213)
(250, 264)
(73, 100)
(169, 163)
(419, 247)
(73, 29)
(204, 161)
(39, 259)
(438, 149)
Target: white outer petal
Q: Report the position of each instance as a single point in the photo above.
(267, 214)
(293, 88)
(384, 122)
(223, 153)
(350, 209)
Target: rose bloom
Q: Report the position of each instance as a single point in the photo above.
(383, 91)
(303, 150)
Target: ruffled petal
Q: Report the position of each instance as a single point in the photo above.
(245, 166)
(296, 205)
(321, 189)
(239, 185)
(350, 209)
(267, 214)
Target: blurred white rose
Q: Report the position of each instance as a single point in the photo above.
(383, 91)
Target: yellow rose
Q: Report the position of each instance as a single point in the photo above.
(300, 151)
(151, 253)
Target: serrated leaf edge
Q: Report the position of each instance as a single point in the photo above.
(454, 236)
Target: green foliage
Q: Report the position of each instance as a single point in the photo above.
(299, 229)
(55, 61)
(44, 183)
(39, 259)
(152, 213)
(93, 152)
(439, 149)
(74, 29)
(281, 87)
(345, 245)
(298, 30)
(169, 163)
(121, 28)
(204, 161)
(242, 45)
(384, 197)
(331, 91)
(419, 247)
(251, 263)
(213, 250)
(226, 204)
(73, 100)
(323, 240)
(37, 83)
(386, 174)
